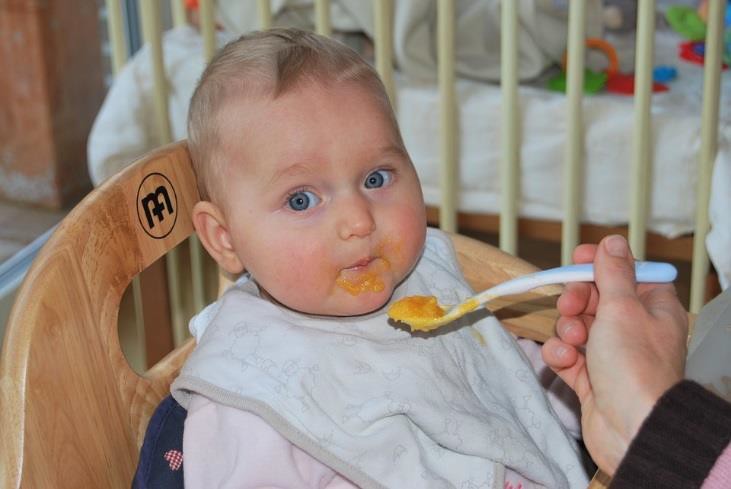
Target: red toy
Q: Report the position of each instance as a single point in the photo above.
(692, 51)
(624, 84)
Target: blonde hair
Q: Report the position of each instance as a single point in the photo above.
(268, 63)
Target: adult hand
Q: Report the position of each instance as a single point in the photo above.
(620, 346)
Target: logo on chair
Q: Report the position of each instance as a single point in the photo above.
(157, 204)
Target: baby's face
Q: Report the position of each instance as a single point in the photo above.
(322, 202)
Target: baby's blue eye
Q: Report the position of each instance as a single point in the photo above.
(378, 179)
(302, 200)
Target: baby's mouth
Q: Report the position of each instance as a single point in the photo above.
(361, 264)
(363, 276)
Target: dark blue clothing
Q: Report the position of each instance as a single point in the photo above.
(161, 457)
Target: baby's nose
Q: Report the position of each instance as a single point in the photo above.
(355, 218)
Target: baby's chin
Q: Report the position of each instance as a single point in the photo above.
(365, 303)
(347, 305)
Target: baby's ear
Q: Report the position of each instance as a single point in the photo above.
(212, 229)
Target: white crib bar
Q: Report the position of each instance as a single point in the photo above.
(709, 146)
(178, 9)
(448, 115)
(323, 26)
(119, 54)
(208, 28)
(510, 168)
(152, 34)
(642, 158)
(573, 173)
(208, 31)
(265, 14)
(115, 29)
(383, 13)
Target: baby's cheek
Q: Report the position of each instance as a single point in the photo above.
(412, 243)
(307, 276)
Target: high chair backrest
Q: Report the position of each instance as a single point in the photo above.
(72, 411)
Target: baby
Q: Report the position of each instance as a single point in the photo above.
(298, 378)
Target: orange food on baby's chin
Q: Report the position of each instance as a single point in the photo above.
(417, 307)
(367, 282)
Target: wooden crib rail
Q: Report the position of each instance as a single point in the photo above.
(72, 409)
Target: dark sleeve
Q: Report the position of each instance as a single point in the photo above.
(679, 442)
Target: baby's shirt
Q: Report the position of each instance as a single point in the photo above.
(243, 440)
(376, 404)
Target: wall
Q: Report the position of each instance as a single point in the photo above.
(51, 87)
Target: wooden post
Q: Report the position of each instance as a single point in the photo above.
(51, 87)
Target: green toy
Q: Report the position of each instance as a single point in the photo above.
(687, 22)
(593, 82)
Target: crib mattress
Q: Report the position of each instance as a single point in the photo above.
(608, 122)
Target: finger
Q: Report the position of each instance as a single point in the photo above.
(573, 330)
(584, 253)
(574, 299)
(568, 364)
(578, 298)
(559, 355)
(614, 271)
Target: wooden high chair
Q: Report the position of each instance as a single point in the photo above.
(72, 412)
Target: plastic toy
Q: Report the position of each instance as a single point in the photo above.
(694, 52)
(624, 84)
(606, 48)
(691, 24)
(687, 22)
(662, 73)
(593, 82)
(610, 79)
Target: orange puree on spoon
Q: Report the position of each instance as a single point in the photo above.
(424, 313)
(417, 311)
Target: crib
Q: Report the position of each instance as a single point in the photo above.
(446, 128)
(448, 210)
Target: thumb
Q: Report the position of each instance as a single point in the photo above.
(614, 269)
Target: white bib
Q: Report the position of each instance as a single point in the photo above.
(381, 406)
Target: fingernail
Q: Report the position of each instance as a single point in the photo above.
(560, 351)
(616, 246)
(566, 328)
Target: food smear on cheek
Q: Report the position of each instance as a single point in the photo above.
(391, 248)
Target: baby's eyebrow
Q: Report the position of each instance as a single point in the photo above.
(394, 150)
(296, 170)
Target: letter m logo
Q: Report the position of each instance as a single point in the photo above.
(156, 205)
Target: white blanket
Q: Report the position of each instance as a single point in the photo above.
(542, 31)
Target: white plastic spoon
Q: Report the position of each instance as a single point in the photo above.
(425, 314)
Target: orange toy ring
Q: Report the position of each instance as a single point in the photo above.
(606, 48)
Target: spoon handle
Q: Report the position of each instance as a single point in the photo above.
(645, 272)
